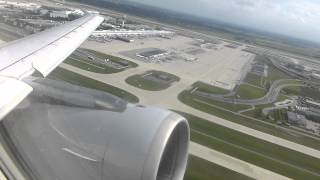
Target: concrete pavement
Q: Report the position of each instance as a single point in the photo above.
(168, 99)
(233, 163)
(270, 97)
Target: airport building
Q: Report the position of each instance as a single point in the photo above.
(60, 14)
(296, 119)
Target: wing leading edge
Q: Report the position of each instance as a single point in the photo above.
(41, 52)
(46, 50)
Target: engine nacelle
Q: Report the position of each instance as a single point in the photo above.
(119, 142)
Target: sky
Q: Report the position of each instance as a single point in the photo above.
(297, 18)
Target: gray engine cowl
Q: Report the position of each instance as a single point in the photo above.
(150, 144)
(135, 144)
(128, 142)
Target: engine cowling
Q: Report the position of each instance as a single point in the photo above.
(120, 142)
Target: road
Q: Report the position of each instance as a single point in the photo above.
(270, 97)
(168, 99)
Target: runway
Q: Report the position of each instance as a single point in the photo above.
(233, 163)
(168, 99)
(222, 66)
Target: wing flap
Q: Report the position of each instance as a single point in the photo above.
(12, 92)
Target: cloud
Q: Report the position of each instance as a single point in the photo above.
(299, 18)
(246, 3)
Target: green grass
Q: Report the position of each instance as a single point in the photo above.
(276, 74)
(216, 90)
(253, 150)
(269, 128)
(139, 82)
(303, 91)
(246, 91)
(199, 169)
(257, 112)
(273, 72)
(209, 88)
(281, 98)
(149, 85)
(93, 66)
(228, 106)
(280, 167)
(291, 81)
(254, 80)
(7, 36)
(77, 79)
(111, 58)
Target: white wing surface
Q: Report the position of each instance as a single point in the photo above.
(41, 52)
(46, 50)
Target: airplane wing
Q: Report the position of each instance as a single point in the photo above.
(77, 139)
(41, 52)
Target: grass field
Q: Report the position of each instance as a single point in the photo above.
(273, 72)
(256, 151)
(7, 36)
(246, 91)
(199, 169)
(112, 58)
(303, 91)
(93, 66)
(209, 89)
(269, 128)
(140, 82)
(203, 87)
(254, 80)
(228, 106)
(77, 79)
(257, 112)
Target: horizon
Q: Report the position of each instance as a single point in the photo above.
(295, 19)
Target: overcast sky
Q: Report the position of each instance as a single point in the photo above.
(298, 18)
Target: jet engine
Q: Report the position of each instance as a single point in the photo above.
(63, 131)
